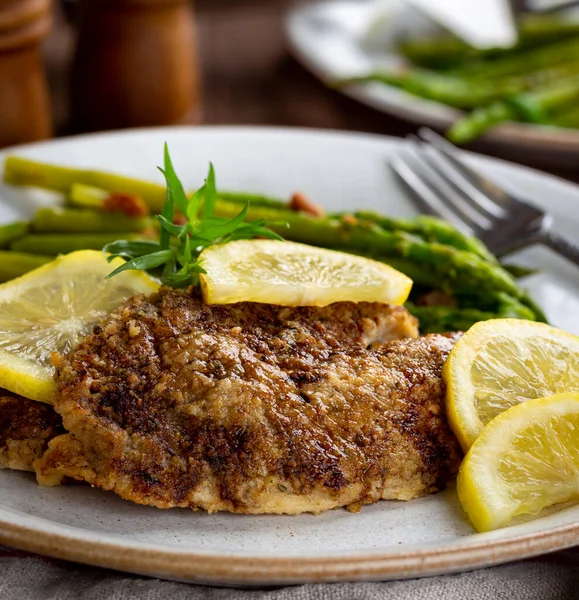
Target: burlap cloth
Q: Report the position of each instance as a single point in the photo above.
(551, 577)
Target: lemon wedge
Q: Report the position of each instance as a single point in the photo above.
(503, 362)
(291, 274)
(526, 459)
(50, 309)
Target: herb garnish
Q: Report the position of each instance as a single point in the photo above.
(175, 256)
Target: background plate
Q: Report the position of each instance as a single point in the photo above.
(386, 540)
(329, 39)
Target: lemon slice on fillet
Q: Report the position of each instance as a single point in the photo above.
(291, 274)
(526, 459)
(50, 309)
(503, 362)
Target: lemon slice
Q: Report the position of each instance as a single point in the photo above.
(291, 274)
(526, 459)
(50, 309)
(503, 362)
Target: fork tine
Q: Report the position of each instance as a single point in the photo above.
(452, 198)
(490, 198)
(427, 200)
(476, 200)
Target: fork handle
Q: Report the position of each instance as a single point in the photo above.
(561, 245)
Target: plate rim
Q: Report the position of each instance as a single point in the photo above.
(255, 570)
(196, 566)
(419, 110)
(282, 129)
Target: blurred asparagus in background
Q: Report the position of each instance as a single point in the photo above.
(536, 81)
(445, 88)
(542, 106)
(449, 52)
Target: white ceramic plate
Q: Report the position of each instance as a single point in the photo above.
(331, 39)
(386, 540)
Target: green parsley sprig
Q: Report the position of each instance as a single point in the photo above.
(174, 257)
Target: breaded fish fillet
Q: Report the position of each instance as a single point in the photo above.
(26, 427)
(253, 408)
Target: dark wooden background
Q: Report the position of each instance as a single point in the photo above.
(247, 75)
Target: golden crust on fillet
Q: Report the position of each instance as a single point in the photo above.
(26, 427)
(253, 408)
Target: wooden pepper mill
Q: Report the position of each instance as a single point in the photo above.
(135, 65)
(24, 102)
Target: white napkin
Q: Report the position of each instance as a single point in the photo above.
(482, 23)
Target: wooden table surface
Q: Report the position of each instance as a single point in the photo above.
(248, 76)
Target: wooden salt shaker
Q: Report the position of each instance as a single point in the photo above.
(24, 103)
(135, 65)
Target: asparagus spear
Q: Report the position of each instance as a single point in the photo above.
(551, 74)
(537, 106)
(480, 121)
(534, 106)
(503, 304)
(22, 171)
(438, 52)
(14, 264)
(527, 62)
(432, 319)
(536, 29)
(456, 91)
(436, 319)
(73, 220)
(512, 308)
(433, 264)
(519, 272)
(12, 231)
(465, 90)
(455, 270)
(443, 52)
(439, 319)
(86, 196)
(253, 199)
(51, 244)
(430, 229)
(86, 187)
(567, 118)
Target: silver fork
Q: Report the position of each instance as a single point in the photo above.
(443, 185)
